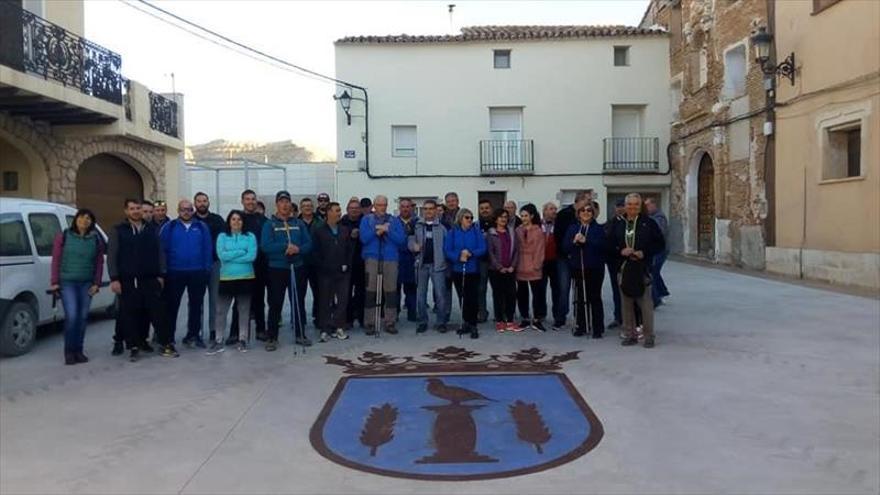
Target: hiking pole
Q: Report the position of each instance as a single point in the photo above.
(380, 288)
(462, 330)
(587, 315)
(293, 295)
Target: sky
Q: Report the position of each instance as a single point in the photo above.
(229, 96)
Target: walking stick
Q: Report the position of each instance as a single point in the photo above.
(462, 330)
(293, 295)
(380, 288)
(587, 315)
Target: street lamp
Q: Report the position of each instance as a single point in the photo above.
(345, 102)
(761, 41)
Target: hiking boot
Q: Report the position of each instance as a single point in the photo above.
(500, 326)
(232, 340)
(340, 334)
(323, 337)
(80, 358)
(628, 341)
(262, 336)
(303, 341)
(216, 348)
(145, 347)
(69, 358)
(442, 328)
(118, 349)
(579, 332)
(134, 355)
(649, 342)
(422, 328)
(539, 326)
(242, 346)
(391, 329)
(201, 343)
(271, 345)
(169, 351)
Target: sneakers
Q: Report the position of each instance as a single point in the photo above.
(391, 329)
(340, 334)
(232, 340)
(242, 346)
(118, 349)
(323, 337)
(579, 332)
(69, 359)
(303, 341)
(80, 358)
(145, 347)
(262, 336)
(558, 325)
(525, 324)
(169, 351)
(188, 342)
(598, 335)
(216, 348)
(271, 345)
(422, 328)
(442, 328)
(201, 343)
(629, 341)
(134, 355)
(511, 326)
(500, 326)
(539, 326)
(649, 342)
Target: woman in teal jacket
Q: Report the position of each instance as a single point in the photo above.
(237, 251)
(464, 246)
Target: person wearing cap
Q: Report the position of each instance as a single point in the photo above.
(285, 240)
(160, 213)
(382, 236)
(357, 280)
(614, 261)
(323, 203)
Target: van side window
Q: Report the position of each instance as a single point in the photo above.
(13, 236)
(44, 226)
(69, 220)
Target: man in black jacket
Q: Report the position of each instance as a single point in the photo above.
(333, 266)
(357, 281)
(565, 218)
(613, 261)
(253, 223)
(635, 241)
(136, 264)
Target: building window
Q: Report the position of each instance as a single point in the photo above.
(10, 181)
(403, 140)
(621, 56)
(820, 5)
(734, 72)
(502, 59)
(505, 123)
(13, 236)
(843, 152)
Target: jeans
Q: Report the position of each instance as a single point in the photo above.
(194, 282)
(358, 287)
(258, 304)
(213, 288)
(242, 302)
(76, 301)
(658, 288)
(563, 281)
(551, 279)
(592, 298)
(333, 305)
(141, 304)
(613, 270)
(482, 311)
(407, 293)
(279, 285)
(425, 273)
(310, 272)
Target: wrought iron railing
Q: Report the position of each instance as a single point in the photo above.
(507, 156)
(632, 154)
(55, 53)
(163, 114)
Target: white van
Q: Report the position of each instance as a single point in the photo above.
(27, 231)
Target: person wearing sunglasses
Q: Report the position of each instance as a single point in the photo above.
(584, 246)
(189, 252)
(464, 246)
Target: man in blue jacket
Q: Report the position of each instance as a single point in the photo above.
(189, 253)
(285, 241)
(382, 237)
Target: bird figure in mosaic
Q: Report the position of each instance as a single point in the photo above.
(453, 394)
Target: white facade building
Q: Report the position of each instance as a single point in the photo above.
(524, 113)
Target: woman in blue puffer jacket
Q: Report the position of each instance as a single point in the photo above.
(464, 246)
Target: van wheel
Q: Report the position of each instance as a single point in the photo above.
(19, 330)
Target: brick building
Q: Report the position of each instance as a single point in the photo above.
(718, 151)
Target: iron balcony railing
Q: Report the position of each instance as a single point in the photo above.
(507, 157)
(631, 154)
(55, 53)
(163, 114)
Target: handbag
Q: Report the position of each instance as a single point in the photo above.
(632, 278)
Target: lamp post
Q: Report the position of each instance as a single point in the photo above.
(761, 41)
(345, 102)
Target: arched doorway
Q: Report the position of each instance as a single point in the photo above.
(706, 207)
(102, 184)
(22, 174)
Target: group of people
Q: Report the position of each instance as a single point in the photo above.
(362, 266)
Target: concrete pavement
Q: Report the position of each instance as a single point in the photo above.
(755, 386)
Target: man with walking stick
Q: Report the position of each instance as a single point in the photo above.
(284, 240)
(382, 237)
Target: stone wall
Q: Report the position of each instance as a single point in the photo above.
(59, 157)
(728, 126)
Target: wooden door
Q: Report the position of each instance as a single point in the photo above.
(706, 206)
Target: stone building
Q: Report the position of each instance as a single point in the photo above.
(719, 153)
(73, 130)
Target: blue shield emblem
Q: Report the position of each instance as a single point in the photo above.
(455, 426)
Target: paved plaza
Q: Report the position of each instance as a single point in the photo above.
(755, 386)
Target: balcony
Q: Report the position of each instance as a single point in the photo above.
(631, 155)
(507, 157)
